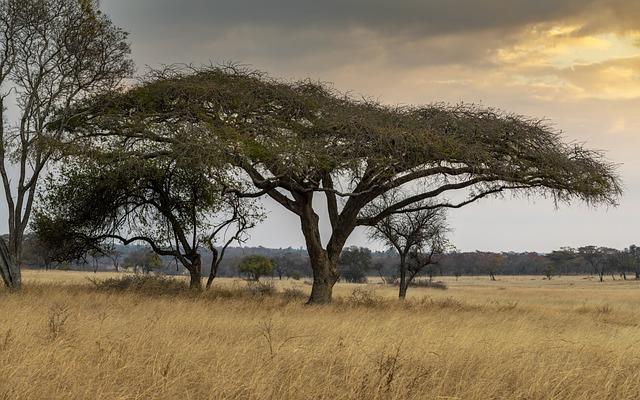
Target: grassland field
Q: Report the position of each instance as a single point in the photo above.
(521, 337)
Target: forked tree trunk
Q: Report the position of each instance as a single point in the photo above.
(325, 269)
(325, 276)
(9, 269)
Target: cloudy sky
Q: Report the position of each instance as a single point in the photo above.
(575, 62)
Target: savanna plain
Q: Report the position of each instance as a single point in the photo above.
(68, 335)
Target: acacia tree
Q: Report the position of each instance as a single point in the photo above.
(355, 263)
(634, 258)
(300, 142)
(601, 259)
(175, 209)
(418, 237)
(52, 53)
(256, 266)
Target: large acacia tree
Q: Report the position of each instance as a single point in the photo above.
(302, 143)
(52, 53)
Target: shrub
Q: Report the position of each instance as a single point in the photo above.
(294, 294)
(426, 283)
(365, 297)
(260, 289)
(151, 284)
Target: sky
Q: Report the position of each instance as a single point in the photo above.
(573, 62)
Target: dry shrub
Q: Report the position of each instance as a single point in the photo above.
(366, 297)
(147, 284)
(258, 289)
(294, 294)
(425, 283)
(56, 320)
(449, 303)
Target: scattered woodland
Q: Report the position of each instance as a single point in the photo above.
(130, 198)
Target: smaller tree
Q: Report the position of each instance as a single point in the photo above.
(634, 259)
(549, 270)
(418, 236)
(354, 264)
(256, 266)
(599, 258)
(144, 259)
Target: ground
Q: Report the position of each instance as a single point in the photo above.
(516, 338)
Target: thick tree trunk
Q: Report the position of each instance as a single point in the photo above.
(9, 269)
(195, 272)
(325, 270)
(325, 276)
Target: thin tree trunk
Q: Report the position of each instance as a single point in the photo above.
(402, 294)
(9, 270)
(214, 268)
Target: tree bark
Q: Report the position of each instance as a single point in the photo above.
(325, 269)
(195, 272)
(214, 268)
(404, 285)
(9, 269)
(325, 277)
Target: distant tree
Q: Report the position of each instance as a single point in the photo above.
(491, 263)
(563, 259)
(418, 237)
(144, 259)
(281, 266)
(256, 266)
(549, 270)
(114, 255)
(95, 254)
(355, 262)
(601, 259)
(52, 54)
(634, 258)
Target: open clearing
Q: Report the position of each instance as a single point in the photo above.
(516, 338)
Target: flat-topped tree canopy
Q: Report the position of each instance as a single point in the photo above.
(294, 139)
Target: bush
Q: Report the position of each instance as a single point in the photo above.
(150, 284)
(294, 294)
(365, 297)
(425, 283)
(260, 289)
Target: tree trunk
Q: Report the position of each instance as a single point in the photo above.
(195, 271)
(325, 270)
(403, 289)
(214, 268)
(9, 270)
(324, 277)
(404, 285)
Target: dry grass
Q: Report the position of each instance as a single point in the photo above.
(518, 338)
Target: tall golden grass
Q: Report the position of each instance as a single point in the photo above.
(517, 338)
